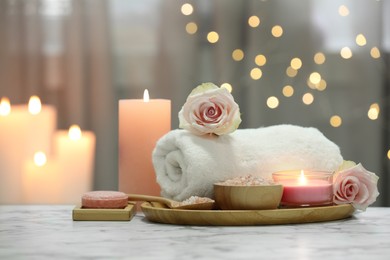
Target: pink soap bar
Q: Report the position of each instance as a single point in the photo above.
(104, 200)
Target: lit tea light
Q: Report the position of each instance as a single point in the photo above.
(310, 188)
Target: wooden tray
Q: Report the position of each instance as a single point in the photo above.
(125, 214)
(157, 212)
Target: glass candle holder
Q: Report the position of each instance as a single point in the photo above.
(305, 188)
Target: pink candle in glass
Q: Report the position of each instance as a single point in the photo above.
(310, 188)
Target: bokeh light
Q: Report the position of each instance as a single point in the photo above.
(291, 72)
(256, 73)
(187, 9)
(288, 91)
(375, 53)
(322, 85)
(319, 58)
(212, 37)
(315, 78)
(373, 112)
(227, 86)
(296, 63)
(260, 60)
(343, 10)
(361, 40)
(254, 21)
(277, 31)
(346, 53)
(272, 102)
(238, 54)
(335, 121)
(191, 28)
(307, 98)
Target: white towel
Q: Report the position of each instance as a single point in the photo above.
(188, 165)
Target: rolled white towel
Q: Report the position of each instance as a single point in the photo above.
(188, 165)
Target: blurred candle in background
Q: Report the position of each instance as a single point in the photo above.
(42, 125)
(24, 129)
(141, 124)
(75, 151)
(42, 181)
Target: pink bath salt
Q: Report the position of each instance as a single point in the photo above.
(195, 200)
(247, 180)
(104, 200)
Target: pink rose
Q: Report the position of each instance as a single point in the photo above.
(210, 110)
(355, 185)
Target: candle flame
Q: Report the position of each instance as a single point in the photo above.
(40, 158)
(146, 95)
(34, 105)
(302, 178)
(5, 106)
(74, 132)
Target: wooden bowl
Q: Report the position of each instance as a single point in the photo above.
(248, 197)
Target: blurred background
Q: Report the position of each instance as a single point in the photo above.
(313, 63)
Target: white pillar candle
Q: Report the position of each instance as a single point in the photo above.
(42, 181)
(43, 122)
(23, 130)
(75, 151)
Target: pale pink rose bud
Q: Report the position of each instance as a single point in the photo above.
(357, 186)
(210, 110)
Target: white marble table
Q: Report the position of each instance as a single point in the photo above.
(48, 232)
